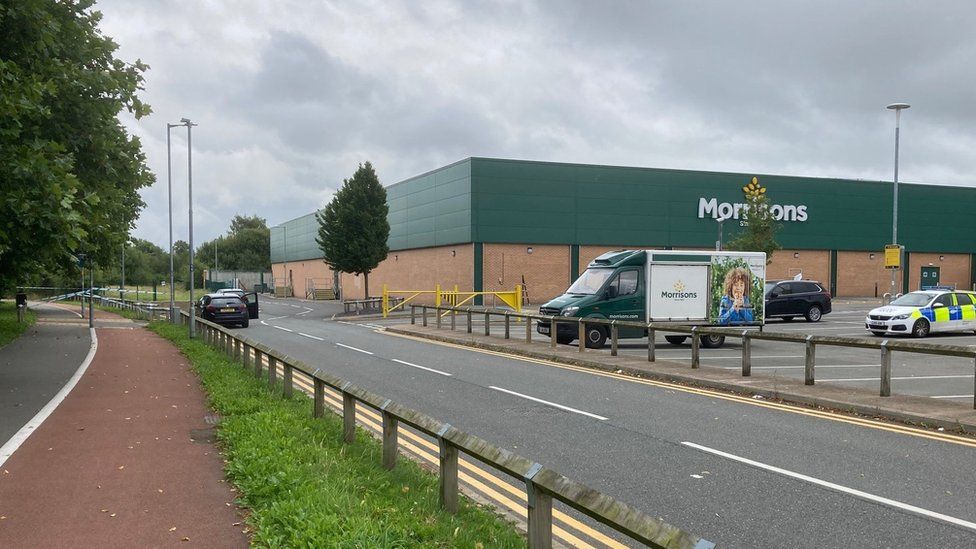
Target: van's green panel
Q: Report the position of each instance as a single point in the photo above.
(676, 258)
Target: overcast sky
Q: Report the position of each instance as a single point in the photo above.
(291, 96)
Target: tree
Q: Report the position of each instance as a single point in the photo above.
(246, 247)
(70, 171)
(353, 228)
(760, 225)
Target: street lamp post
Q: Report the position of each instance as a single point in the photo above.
(169, 184)
(897, 107)
(189, 184)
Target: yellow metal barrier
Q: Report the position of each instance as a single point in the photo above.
(453, 298)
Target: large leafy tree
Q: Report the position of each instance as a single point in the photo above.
(246, 247)
(353, 228)
(759, 234)
(69, 172)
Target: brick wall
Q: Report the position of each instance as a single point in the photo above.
(299, 271)
(420, 269)
(860, 275)
(546, 269)
(953, 269)
(813, 264)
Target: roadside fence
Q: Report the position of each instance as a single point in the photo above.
(542, 485)
(697, 333)
(399, 299)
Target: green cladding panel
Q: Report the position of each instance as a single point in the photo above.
(433, 209)
(295, 240)
(553, 203)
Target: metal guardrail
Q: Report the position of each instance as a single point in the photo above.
(810, 342)
(150, 312)
(542, 485)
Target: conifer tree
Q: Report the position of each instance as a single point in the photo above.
(353, 228)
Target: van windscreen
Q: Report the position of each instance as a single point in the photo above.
(590, 281)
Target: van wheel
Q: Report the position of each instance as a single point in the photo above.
(595, 337)
(712, 341)
(675, 340)
(564, 340)
(921, 328)
(814, 314)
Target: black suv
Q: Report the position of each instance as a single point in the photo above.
(791, 298)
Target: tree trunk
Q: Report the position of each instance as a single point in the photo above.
(366, 284)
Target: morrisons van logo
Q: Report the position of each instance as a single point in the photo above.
(711, 207)
(680, 291)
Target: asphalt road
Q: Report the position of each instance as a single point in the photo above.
(740, 472)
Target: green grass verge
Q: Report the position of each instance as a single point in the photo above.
(125, 313)
(10, 329)
(305, 488)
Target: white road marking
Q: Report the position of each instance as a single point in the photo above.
(952, 396)
(547, 403)
(311, 336)
(21, 435)
(422, 367)
(297, 306)
(900, 378)
(837, 487)
(731, 357)
(304, 312)
(285, 329)
(354, 349)
(263, 322)
(278, 317)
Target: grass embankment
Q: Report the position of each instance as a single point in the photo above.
(305, 488)
(125, 313)
(10, 329)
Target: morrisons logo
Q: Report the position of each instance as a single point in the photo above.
(680, 291)
(729, 210)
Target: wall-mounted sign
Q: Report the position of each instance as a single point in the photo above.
(711, 207)
(893, 256)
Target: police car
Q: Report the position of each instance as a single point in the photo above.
(919, 313)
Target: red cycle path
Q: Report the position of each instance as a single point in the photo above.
(124, 461)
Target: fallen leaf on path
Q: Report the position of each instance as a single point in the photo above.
(112, 515)
(105, 510)
(185, 539)
(160, 490)
(121, 467)
(173, 529)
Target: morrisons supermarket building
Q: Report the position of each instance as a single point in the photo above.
(489, 224)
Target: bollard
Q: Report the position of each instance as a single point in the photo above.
(487, 323)
(746, 354)
(20, 314)
(811, 358)
(885, 369)
(613, 338)
(650, 342)
(695, 348)
(582, 335)
(507, 321)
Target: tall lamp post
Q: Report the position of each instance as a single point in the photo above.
(189, 179)
(897, 107)
(169, 185)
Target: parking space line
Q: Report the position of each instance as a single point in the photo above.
(900, 378)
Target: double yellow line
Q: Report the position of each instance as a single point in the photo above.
(501, 493)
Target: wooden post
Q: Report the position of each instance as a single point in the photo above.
(552, 331)
(582, 335)
(539, 507)
(453, 321)
(413, 315)
(507, 324)
(348, 416)
(695, 348)
(318, 408)
(746, 354)
(390, 428)
(885, 369)
(487, 323)
(448, 473)
(287, 378)
(438, 313)
(272, 371)
(528, 330)
(650, 342)
(258, 362)
(808, 377)
(613, 338)
(424, 309)
(468, 314)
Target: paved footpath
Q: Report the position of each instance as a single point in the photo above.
(126, 460)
